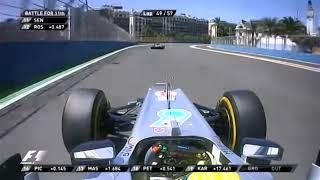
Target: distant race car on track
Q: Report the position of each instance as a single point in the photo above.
(157, 46)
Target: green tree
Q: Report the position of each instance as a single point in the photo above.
(271, 26)
(227, 29)
(254, 28)
(289, 26)
(217, 20)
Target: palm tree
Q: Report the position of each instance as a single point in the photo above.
(254, 28)
(217, 20)
(270, 26)
(289, 26)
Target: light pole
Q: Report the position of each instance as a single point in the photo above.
(87, 28)
(87, 5)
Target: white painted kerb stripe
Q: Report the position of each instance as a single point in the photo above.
(300, 66)
(268, 56)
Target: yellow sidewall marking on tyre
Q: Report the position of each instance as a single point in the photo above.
(229, 123)
(233, 120)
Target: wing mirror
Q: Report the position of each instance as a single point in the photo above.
(314, 172)
(93, 153)
(261, 150)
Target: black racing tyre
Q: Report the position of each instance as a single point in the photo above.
(85, 117)
(242, 115)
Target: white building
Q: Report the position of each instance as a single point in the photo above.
(163, 25)
(179, 24)
(243, 33)
(137, 25)
(246, 37)
(212, 29)
(312, 28)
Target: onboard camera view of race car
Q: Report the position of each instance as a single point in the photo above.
(168, 129)
(171, 134)
(159, 90)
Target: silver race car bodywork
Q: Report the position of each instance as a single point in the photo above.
(314, 172)
(165, 118)
(184, 120)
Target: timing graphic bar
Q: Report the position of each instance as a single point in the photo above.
(44, 20)
(150, 168)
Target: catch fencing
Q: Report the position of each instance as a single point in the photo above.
(260, 41)
(85, 24)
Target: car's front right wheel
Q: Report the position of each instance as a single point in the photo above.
(242, 115)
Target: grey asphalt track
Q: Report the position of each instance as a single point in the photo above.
(290, 97)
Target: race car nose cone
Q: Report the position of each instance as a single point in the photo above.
(156, 149)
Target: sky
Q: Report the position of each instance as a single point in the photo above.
(228, 10)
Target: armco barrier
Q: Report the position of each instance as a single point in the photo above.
(295, 56)
(23, 63)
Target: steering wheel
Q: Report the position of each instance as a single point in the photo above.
(177, 155)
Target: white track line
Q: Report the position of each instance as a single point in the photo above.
(300, 66)
(268, 56)
(20, 94)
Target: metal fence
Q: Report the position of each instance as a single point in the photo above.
(85, 23)
(227, 40)
(260, 41)
(92, 25)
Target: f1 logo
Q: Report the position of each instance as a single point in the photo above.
(34, 155)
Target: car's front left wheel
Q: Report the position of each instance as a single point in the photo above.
(85, 117)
